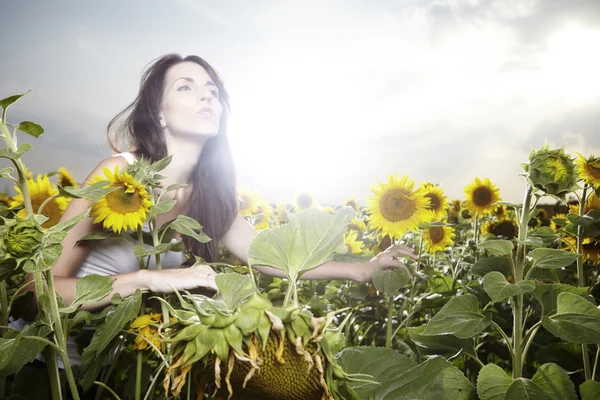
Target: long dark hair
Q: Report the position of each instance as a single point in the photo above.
(213, 199)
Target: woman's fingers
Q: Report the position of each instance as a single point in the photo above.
(400, 251)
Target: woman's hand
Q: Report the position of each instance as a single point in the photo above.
(163, 281)
(387, 260)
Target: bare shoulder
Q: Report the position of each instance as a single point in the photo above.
(109, 163)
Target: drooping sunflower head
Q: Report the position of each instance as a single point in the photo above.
(265, 213)
(248, 202)
(352, 202)
(353, 245)
(304, 201)
(551, 171)
(437, 238)
(592, 203)
(146, 326)
(437, 201)
(65, 178)
(589, 169)
(396, 207)
(481, 196)
(123, 208)
(507, 228)
(41, 190)
(590, 247)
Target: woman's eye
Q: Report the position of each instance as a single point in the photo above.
(215, 93)
(184, 88)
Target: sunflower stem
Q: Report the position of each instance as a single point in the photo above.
(48, 200)
(388, 332)
(138, 375)
(581, 278)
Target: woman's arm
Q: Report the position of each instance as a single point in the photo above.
(240, 234)
(125, 284)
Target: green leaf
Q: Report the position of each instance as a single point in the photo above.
(186, 226)
(547, 294)
(441, 284)
(555, 381)
(31, 128)
(5, 172)
(4, 103)
(498, 288)
(7, 348)
(487, 265)
(309, 239)
(522, 388)
(590, 390)
(8, 266)
(390, 282)
(552, 258)
(15, 155)
(459, 317)
(508, 204)
(93, 192)
(492, 383)
(62, 228)
(175, 186)
(576, 320)
(590, 218)
(373, 361)
(234, 289)
(27, 349)
(97, 236)
(44, 260)
(140, 251)
(124, 313)
(444, 345)
(434, 379)
(89, 289)
(567, 355)
(162, 207)
(497, 247)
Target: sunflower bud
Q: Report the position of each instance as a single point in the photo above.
(551, 171)
(24, 238)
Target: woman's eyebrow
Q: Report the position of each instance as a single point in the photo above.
(189, 79)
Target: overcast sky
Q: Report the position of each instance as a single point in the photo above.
(327, 96)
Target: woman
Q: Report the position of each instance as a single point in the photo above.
(181, 110)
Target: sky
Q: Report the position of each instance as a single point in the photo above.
(328, 97)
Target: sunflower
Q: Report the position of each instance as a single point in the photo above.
(28, 174)
(589, 169)
(507, 228)
(4, 201)
(357, 225)
(304, 201)
(396, 206)
(354, 246)
(558, 221)
(590, 247)
(352, 202)
(265, 212)
(145, 327)
(437, 201)
(281, 214)
(248, 202)
(481, 196)
(592, 203)
(501, 213)
(438, 237)
(41, 190)
(328, 209)
(65, 179)
(123, 208)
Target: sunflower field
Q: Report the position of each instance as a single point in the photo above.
(501, 303)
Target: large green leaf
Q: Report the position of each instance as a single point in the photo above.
(434, 379)
(15, 155)
(497, 247)
(373, 361)
(7, 349)
(552, 258)
(567, 355)
(486, 265)
(141, 251)
(162, 207)
(126, 311)
(27, 349)
(492, 383)
(590, 390)
(186, 226)
(522, 388)
(547, 294)
(309, 239)
(590, 218)
(498, 288)
(459, 317)
(45, 259)
(89, 289)
(58, 232)
(390, 282)
(443, 345)
(31, 128)
(6, 102)
(234, 289)
(576, 320)
(93, 192)
(555, 381)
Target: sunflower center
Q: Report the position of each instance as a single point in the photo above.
(593, 169)
(304, 200)
(434, 201)
(482, 196)
(560, 169)
(436, 234)
(506, 229)
(122, 202)
(396, 206)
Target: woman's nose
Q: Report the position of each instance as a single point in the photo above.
(207, 97)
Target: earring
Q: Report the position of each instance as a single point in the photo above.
(162, 123)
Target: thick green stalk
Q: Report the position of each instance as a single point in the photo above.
(581, 279)
(517, 301)
(388, 333)
(138, 376)
(3, 304)
(53, 372)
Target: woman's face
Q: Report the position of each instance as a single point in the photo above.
(190, 102)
